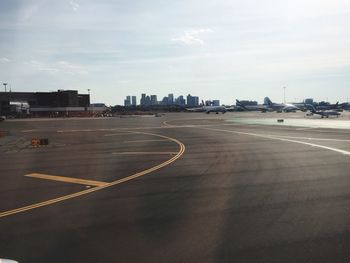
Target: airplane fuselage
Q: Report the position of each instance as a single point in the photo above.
(216, 109)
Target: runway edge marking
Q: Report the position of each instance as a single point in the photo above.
(95, 189)
(276, 137)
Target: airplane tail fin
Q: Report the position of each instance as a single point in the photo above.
(267, 101)
(238, 103)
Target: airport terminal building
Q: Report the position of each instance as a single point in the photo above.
(58, 103)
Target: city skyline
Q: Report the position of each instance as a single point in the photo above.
(152, 99)
(227, 50)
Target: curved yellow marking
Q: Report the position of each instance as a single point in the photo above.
(91, 190)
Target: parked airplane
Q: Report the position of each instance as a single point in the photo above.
(337, 107)
(261, 108)
(279, 107)
(345, 106)
(216, 109)
(209, 109)
(323, 114)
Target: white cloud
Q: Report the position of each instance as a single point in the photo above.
(64, 67)
(75, 6)
(191, 37)
(27, 12)
(4, 60)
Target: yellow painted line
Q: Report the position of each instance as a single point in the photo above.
(143, 153)
(137, 141)
(66, 179)
(95, 189)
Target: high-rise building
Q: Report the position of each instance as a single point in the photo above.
(127, 101)
(143, 99)
(309, 101)
(154, 100)
(216, 102)
(180, 101)
(192, 101)
(147, 101)
(165, 101)
(133, 100)
(170, 99)
(196, 101)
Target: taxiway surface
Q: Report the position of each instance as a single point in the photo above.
(178, 188)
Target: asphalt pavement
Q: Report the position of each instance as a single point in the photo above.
(184, 187)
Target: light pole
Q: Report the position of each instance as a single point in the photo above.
(89, 97)
(5, 84)
(90, 108)
(284, 94)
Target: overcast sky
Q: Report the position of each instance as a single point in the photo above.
(222, 49)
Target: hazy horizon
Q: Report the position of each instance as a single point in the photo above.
(219, 50)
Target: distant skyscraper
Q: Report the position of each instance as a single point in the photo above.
(133, 100)
(143, 99)
(192, 101)
(147, 101)
(165, 101)
(216, 102)
(196, 101)
(127, 101)
(309, 101)
(154, 100)
(170, 99)
(180, 101)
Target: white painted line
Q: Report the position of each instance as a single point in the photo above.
(312, 139)
(303, 129)
(274, 137)
(82, 130)
(2, 260)
(313, 145)
(116, 134)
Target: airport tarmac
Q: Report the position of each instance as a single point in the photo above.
(184, 187)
